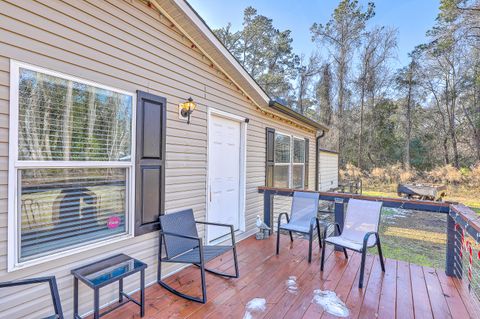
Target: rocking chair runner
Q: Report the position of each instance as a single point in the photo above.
(303, 219)
(182, 245)
(361, 222)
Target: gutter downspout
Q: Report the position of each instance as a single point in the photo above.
(317, 157)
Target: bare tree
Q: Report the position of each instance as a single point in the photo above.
(324, 95)
(342, 35)
(378, 48)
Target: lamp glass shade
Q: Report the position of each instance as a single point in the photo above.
(189, 105)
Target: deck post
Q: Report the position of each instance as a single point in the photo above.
(452, 257)
(339, 217)
(268, 209)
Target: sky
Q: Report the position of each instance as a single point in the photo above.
(412, 18)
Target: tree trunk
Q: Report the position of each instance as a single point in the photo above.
(408, 132)
(341, 97)
(453, 132)
(476, 136)
(360, 136)
(445, 151)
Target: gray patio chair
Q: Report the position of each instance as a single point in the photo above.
(53, 291)
(303, 219)
(361, 222)
(178, 232)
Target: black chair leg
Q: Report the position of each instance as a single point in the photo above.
(204, 286)
(319, 236)
(203, 299)
(159, 264)
(235, 261)
(323, 256)
(56, 297)
(291, 236)
(345, 253)
(278, 240)
(362, 268)
(380, 254)
(310, 245)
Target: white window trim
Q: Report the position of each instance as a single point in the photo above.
(14, 164)
(291, 164)
(304, 150)
(299, 163)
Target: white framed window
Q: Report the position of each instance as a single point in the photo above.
(71, 165)
(283, 159)
(298, 163)
(289, 167)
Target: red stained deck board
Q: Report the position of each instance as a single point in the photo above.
(403, 291)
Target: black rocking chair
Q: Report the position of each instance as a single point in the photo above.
(53, 291)
(182, 245)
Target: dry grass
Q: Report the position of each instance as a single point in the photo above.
(464, 194)
(463, 185)
(416, 234)
(446, 174)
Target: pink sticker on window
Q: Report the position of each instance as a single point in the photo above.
(113, 222)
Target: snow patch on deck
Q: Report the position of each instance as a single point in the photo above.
(330, 302)
(292, 286)
(255, 305)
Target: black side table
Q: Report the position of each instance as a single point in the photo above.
(107, 271)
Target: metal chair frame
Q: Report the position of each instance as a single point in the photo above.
(53, 291)
(314, 223)
(201, 264)
(363, 250)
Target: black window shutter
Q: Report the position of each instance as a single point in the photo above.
(307, 155)
(150, 158)
(270, 156)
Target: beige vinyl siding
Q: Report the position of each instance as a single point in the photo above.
(328, 171)
(126, 45)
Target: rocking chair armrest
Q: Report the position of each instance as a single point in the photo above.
(214, 224)
(232, 231)
(29, 281)
(181, 236)
(53, 290)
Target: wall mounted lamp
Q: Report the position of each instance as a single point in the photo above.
(187, 108)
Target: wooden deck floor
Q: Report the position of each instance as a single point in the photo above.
(403, 291)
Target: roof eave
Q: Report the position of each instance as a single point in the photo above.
(286, 110)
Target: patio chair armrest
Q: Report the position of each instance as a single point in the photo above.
(280, 219)
(325, 230)
(181, 236)
(232, 232)
(214, 224)
(367, 236)
(313, 223)
(283, 214)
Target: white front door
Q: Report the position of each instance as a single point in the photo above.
(224, 175)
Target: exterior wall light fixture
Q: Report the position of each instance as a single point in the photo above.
(187, 108)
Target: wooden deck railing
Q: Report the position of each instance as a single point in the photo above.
(458, 215)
